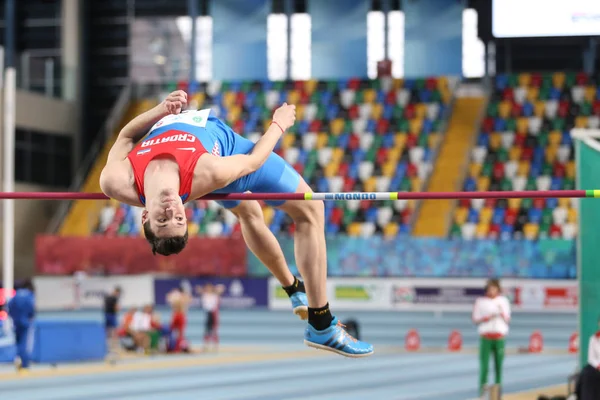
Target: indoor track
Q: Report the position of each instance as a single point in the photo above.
(262, 358)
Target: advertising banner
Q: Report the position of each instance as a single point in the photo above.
(437, 294)
(98, 255)
(240, 293)
(60, 292)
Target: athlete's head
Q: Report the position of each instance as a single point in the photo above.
(492, 288)
(165, 224)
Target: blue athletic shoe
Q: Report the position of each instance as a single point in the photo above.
(300, 305)
(336, 339)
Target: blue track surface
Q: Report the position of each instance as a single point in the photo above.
(295, 372)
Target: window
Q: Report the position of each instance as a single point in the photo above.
(277, 46)
(473, 50)
(42, 158)
(301, 47)
(375, 41)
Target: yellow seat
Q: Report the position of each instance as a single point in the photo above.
(415, 125)
(337, 155)
(522, 124)
(460, 215)
(570, 169)
(234, 113)
(322, 140)
(394, 155)
(389, 169)
(399, 140)
(310, 86)
(533, 94)
(336, 126)
(198, 98)
(531, 230)
(442, 82)
(474, 170)
(581, 122)
(550, 152)
(299, 112)
(266, 124)
(446, 95)
(377, 111)
(369, 95)
(572, 216)
(293, 97)
(483, 183)
(504, 109)
(558, 80)
(193, 228)
(397, 83)
(554, 138)
(495, 141)
(514, 204)
(288, 141)
(523, 169)
(482, 229)
(411, 204)
(538, 110)
(563, 202)
(589, 94)
(369, 184)
(268, 213)
(524, 79)
(331, 169)
(485, 215)
(433, 140)
(515, 153)
(354, 229)
(391, 230)
(421, 110)
(229, 98)
(415, 183)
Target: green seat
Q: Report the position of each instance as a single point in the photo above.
(321, 112)
(332, 141)
(123, 229)
(405, 186)
(436, 96)
(359, 97)
(502, 155)
(225, 85)
(370, 156)
(246, 86)
(531, 185)
(278, 85)
(558, 124)
(332, 86)
(341, 204)
(315, 98)
(546, 217)
(546, 81)
(403, 125)
(547, 169)
(544, 93)
(455, 230)
(568, 184)
(570, 80)
(349, 217)
(420, 83)
(486, 170)
(260, 99)
(511, 124)
(506, 185)
(513, 80)
(171, 87)
(586, 109)
(545, 227)
(348, 126)
(398, 112)
(375, 84)
(422, 142)
(526, 204)
(266, 114)
(543, 140)
(437, 125)
(492, 109)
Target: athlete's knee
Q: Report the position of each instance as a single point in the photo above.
(311, 212)
(249, 212)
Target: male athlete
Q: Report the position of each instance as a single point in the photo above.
(187, 155)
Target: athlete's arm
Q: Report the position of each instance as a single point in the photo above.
(224, 170)
(137, 128)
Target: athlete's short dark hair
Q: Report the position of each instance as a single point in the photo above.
(164, 245)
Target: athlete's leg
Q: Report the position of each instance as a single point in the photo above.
(261, 241)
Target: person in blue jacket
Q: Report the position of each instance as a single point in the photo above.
(21, 310)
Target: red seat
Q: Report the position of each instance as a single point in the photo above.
(336, 215)
(189, 212)
(315, 126)
(527, 154)
(559, 170)
(349, 184)
(596, 107)
(354, 83)
(508, 94)
(382, 126)
(464, 203)
(490, 203)
(353, 112)
(431, 83)
(299, 167)
(494, 231)
(510, 218)
(304, 97)
(292, 229)
(365, 204)
(405, 216)
(488, 124)
(240, 98)
(536, 79)
(411, 170)
(381, 156)
(581, 78)
(390, 98)
(299, 85)
(409, 111)
(555, 231)
(411, 141)
(540, 204)
(239, 126)
(353, 142)
(343, 171)
(182, 85)
(498, 170)
(563, 109)
(517, 110)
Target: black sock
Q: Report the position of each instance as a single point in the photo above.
(297, 286)
(320, 318)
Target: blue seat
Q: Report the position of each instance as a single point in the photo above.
(332, 111)
(425, 95)
(235, 86)
(198, 215)
(332, 229)
(555, 94)
(371, 124)
(501, 81)
(556, 183)
(470, 185)
(498, 216)
(388, 111)
(499, 124)
(326, 97)
(250, 99)
(409, 84)
(527, 109)
(427, 155)
(566, 138)
(483, 140)
(371, 214)
(395, 184)
(193, 87)
(388, 141)
(538, 156)
(507, 230)
(302, 127)
(266, 85)
(342, 84)
(404, 229)
(473, 216)
(343, 140)
(380, 97)
(358, 155)
(551, 203)
(353, 170)
(250, 126)
(227, 229)
(401, 169)
(427, 126)
(323, 185)
(535, 215)
(535, 170)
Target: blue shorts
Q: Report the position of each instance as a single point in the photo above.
(110, 321)
(275, 175)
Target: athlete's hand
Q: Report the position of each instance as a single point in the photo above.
(285, 116)
(175, 102)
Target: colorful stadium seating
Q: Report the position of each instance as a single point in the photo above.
(525, 144)
(350, 135)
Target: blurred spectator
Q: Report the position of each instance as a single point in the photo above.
(111, 309)
(107, 215)
(179, 301)
(492, 314)
(125, 333)
(588, 385)
(141, 327)
(21, 309)
(211, 296)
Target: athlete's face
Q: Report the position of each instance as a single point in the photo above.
(166, 216)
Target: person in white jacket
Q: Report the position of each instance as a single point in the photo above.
(588, 385)
(492, 315)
